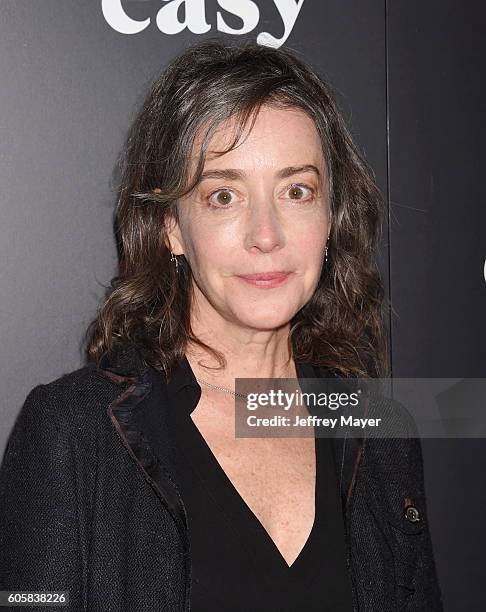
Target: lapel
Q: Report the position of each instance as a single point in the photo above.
(140, 417)
(347, 451)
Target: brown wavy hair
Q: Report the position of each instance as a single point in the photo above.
(147, 303)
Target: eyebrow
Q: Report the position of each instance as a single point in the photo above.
(231, 174)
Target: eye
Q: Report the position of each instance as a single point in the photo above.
(221, 198)
(300, 192)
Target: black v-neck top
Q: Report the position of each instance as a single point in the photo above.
(235, 565)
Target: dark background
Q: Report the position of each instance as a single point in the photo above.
(436, 195)
(409, 79)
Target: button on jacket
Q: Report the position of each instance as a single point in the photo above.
(89, 506)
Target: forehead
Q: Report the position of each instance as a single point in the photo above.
(278, 137)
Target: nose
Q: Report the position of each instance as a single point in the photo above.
(264, 231)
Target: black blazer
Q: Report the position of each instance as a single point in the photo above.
(86, 505)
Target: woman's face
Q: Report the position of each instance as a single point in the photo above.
(260, 208)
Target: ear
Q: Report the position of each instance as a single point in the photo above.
(174, 235)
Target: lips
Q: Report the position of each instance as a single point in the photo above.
(265, 276)
(266, 280)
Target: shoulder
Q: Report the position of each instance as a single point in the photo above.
(75, 399)
(87, 381)
(395, 447)
(397, 420)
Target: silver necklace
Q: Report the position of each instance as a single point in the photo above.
(244, 396)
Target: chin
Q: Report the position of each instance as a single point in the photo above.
(265, 318)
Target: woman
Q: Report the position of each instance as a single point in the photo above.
(247, 222)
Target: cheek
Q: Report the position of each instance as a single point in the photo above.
(211, 250)
(311, 245)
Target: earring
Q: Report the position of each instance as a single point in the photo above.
(173, 258)
(325, 258)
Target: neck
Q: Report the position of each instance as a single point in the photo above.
(252, 359)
